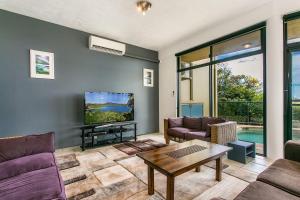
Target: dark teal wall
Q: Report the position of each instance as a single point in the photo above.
(38, 105)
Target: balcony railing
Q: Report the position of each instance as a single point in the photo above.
(296, 115)
(243, 112)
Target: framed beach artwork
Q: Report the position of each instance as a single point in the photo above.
(41, 64)
(148, 77)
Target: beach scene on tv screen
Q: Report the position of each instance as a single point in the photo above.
(104, 107)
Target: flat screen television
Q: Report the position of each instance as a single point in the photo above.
(107, 107)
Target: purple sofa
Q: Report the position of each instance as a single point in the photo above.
(28, 169)
(210, 129)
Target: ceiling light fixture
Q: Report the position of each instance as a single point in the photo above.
(143, 6)
(247, 45)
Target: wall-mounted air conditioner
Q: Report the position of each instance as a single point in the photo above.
(106, 46)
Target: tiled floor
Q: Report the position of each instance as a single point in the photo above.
(112, 174)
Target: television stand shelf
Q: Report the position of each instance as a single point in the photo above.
(90, 133)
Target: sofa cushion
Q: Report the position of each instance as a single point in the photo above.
(43, 184)
(262, 191)
(209, 121)
(16, 147)
(284, 174)
(26, 164)
(175, 122)
(200, 135)
(192, 122)
(178, 132)
(291, 150)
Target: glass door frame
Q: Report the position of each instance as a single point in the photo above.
(288, 93)
(260, 26)
(288, 50)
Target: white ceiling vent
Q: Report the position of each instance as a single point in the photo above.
(106, 46)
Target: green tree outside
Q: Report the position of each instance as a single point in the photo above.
(240, 97)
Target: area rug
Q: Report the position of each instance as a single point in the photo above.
(132, 148)
(188, 185)
(75, 179)
(213, 165)
(67, 161)
(110, 174)
(83, 195)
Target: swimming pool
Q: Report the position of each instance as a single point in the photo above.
(256, 135)
(253, 135)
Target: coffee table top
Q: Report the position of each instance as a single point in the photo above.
(178, 158)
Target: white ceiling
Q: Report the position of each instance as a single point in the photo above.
(167, 21)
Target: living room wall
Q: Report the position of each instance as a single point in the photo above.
(30, 105)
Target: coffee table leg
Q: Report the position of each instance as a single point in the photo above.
(219, 169)
(198, 169)
(170, 187)
(150, 180)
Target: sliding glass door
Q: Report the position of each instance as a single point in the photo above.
(293, 102)
(292, 76)
(240, 97)
(226, 78)
(239, 86)
(295, 94)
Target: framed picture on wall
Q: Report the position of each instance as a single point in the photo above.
(41, 64)
(148, 77)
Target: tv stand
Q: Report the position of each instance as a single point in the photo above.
(90, 133)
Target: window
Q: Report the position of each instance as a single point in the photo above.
(292, 77)
(225, 78)
(293, 31)
(237, 46)
(195, 58)
(194, 102)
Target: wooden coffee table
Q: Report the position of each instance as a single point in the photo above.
(177, 159)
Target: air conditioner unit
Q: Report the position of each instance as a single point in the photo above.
(106, 46)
